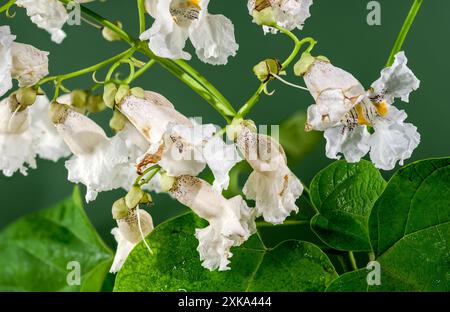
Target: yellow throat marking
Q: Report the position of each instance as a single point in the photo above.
(382, 108)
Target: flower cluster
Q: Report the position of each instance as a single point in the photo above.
(157, 148)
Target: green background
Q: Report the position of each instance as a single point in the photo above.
(343, 35)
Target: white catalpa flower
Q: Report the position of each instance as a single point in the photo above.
(343, 111)
(272, 184)
(6, 41)
(177, 20)
(231, 222)
(19, 61)
(50, 15)
(99, 162)
(179, 145)
(128, 235)
(25, 133)
(17, 143)
(289, 14)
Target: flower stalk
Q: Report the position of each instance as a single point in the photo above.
(404, 31)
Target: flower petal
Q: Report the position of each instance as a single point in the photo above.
(353, 144)
(166, 38)
(230, 220)
(29, 64)
(50, 15)
(396, 81)
(393, 140)
(213, 39)
(124, 247)
(6, 40)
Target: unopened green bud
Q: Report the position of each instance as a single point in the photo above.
(265, 70)
(117, 121)
(303, 65)
(263, 13)
(95, 104)
(134, 197)
(234, 129)
(138, 92)
(122, 92)
(119, 209)
(79, 98)
(109, 93)
(166, 182)
(58, 112)
(110, 35)
(26, 96)
(146, 199)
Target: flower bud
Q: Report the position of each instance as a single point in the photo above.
(303, 65)
(26, 96)
(58, 112)
(263, 13)
(118, 121)
(305, 62)
(110, 35)
(138, 92)
(166, 182)
(109, 93)
(119, 209)
(146, 199)
(234, 129)
(122, 92)
(78, 100)
(265, 70)
(134, 197)
(95, 104)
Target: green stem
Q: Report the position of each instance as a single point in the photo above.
(404, 31)
(351, 257)
(141, 12)
(245, 109)
(89, 69)
(171, 66)
(104, 22)
(143, 69)
(146, 171)
(150, 177)
(227, 107)
(7, 6)
(297, 45)
(191, 82)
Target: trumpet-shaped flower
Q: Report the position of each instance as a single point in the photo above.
(19, 61)
(272, 184)
(231, 222)
(16, 140)
(344, 112)
(99, 162)
(129, 233)
(25, 133)
(177, 20)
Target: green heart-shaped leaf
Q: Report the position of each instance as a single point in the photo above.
(344, 195)
(410, 232)
(175, 265)
(45, 250)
